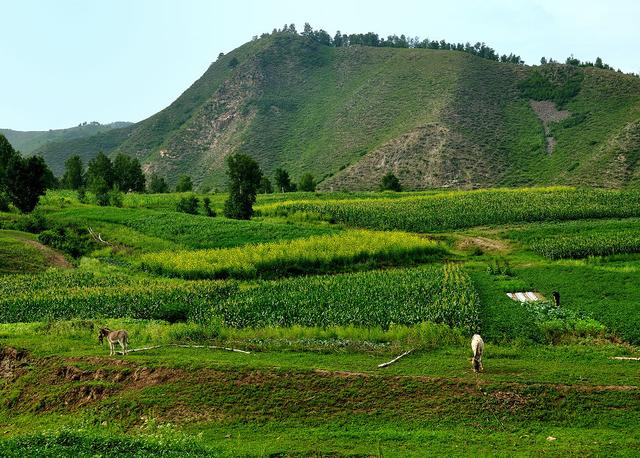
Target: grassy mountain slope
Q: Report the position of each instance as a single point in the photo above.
(349, 115)
(29, 141)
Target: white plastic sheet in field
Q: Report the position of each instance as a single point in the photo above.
(528, 296)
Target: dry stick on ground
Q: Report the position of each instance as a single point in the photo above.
(388, 363)
(627, 358)
(213, 347)
(98, 237)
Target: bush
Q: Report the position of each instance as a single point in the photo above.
(115, 197)
(188, 205)
(70, 239)
(390, 183)
(206, 204)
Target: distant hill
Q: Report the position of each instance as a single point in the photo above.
(28, 141)
(348, 115)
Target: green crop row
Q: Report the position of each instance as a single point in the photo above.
(456, 210)
(441, 294)
(153, 299)
(296, 256)
(590, 244)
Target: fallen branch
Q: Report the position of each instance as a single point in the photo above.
(98, 237)
(627, 358)
(388, 363)
(212, 347)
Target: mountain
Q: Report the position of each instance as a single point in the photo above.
(29, 141)
(348, 115)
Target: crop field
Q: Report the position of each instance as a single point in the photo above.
(320, 289)
(288, 257)
(457, 210)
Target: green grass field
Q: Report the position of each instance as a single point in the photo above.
(321, 292)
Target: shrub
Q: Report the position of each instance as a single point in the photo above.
(188, 205)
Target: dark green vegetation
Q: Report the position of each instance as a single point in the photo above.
(348, 115)
(321, 297)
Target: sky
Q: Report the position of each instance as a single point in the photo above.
(64, 62)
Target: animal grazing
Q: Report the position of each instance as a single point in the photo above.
(477, 345)
(556, 298)
(114, 337)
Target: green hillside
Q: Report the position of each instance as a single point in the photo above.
(29, 141)
(349, 115)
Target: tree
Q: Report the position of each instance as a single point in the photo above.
(157, 184)
(101, 189)
(128, 174)
(73, 177)
(244, 178)
(543, 60)
(26, 181)
(390, 183)
(184, 184)
(206, 205)
(233, 63)
(265, 186)
(307, 183)
(283, 181)
(100, 167)
(599, 62)
(6, 153)
(188, 204)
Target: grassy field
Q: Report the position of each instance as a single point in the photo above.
(320, 293)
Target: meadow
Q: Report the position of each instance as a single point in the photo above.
(321, 288)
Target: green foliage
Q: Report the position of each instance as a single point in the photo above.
(390, 183)
(188, 204)
(100, 170)
(297, 256)
(128, 174)
(26, 180)
(440, 294)
(540, 86)
(307, 183)
(244, 179)
(265, 185)
(157, 184)
(69, 238)
(283, 180)
(206, 205)
(590, 244)
(184, 184)
(74, 173)
(115, 197)
(63, 295)
(151, 230)
(99, 186)
(467, 209)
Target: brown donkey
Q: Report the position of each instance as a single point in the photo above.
(114, 337)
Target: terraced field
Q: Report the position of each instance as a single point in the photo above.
(320, 289)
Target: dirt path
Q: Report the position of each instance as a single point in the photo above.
(53, 257)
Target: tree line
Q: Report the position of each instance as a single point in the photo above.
(340, 39)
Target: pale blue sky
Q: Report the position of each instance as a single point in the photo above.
(68, 61)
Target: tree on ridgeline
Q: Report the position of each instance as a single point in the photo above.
(390, 182)
(283, 180)
(128, 174)
(307, 183)
(184, 184)
(244, 178)
(73, 177)
(157, 184)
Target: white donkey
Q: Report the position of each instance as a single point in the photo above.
(114, 337)
(477, 345)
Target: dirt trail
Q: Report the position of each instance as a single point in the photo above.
(53, 257)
